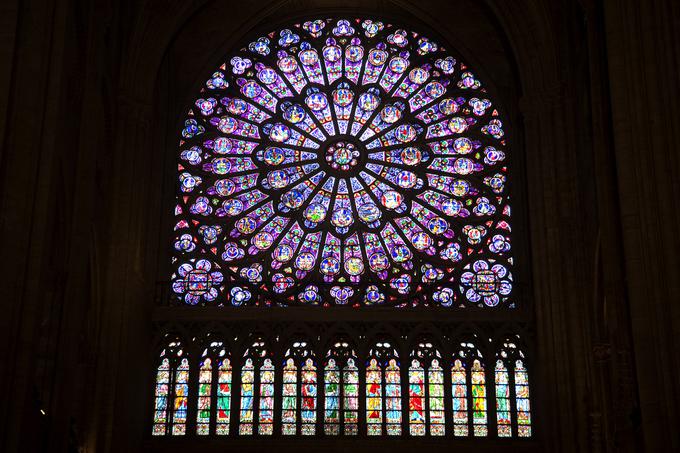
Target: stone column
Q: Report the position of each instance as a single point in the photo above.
(643, 50)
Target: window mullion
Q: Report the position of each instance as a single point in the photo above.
(362, 395)
(469, 398)
(426, 399)
(320, 397)
(212, 422)
(298, 399)
(235, 403)
(513, 397)
(256, 396)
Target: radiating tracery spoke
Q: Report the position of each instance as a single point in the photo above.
(343, 162)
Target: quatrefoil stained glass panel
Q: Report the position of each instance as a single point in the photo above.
(343, 162)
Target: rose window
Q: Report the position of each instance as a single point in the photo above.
(343, 162)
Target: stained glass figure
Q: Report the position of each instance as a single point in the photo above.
(160, 419)
(435, 383)
(333, 396)
(299, 391)
(374, 398)
(204, 396)
(343, 162)
(503, 417)
(341, 390)
(393, 398)
(416, 398)
(426, 392)
(266, 420)
(512, 390)
(459, 394)
(308, 398)
(350, 398)
(522, 400)
(171, 391)
(256, 414)
(179, 413)
(247, 396)
(224, 376)
(214, 375)
(289, 397)
(479, 411)
(468, 390)
(383, 391)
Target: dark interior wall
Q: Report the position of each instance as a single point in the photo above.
(92, 92)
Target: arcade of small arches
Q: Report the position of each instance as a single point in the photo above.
(465, 386)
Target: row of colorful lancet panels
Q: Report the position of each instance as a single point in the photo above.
(461, 395)
(343, 162)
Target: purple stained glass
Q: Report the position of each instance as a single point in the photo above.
(343, 162)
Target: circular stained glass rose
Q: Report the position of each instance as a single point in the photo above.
(352, 163)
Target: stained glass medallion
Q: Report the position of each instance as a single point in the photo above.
(343, 162)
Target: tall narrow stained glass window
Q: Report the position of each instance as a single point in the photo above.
(522, 400)
(479, 402)
(512, 391)
(204, 396)
(257, 392)
(468, 390)
(341, 390)
(161, 398)
(299, 391)
(383, 391)
(224, 377)
(214, 390)
(181, 402)
(426, 392)
(172, 386)
(503, 418)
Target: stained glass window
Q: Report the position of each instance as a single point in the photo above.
(522, 400)
(374, 398)
(204, 394)
(512, 391)
(179, 415)
(426, 392)
(435, 388)
(308, 398)
(416, 398)
(343, 162)
(333, 395)
(299, 391)
(214, 378)
(338, 375)
(172, 386)
(503, 419)
(468, 390)
(479, 410)
(289, 408)
(349, 162)
(341, 389)
(224, 376)
(161, 398)
(247, 396)
(350, 397)
(383, 391)
(257, 391)
(460, 398)
(266, 421)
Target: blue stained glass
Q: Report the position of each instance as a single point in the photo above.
(340, 152)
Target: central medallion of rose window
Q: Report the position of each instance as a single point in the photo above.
(342, 156)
